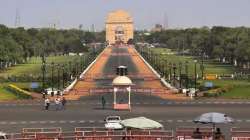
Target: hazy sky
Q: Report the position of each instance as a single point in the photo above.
(146, 13)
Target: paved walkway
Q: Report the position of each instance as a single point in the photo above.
(105, 66)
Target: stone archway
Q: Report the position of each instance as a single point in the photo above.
(119, 27)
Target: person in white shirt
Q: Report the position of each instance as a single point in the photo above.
(57, 103)
(47, 103)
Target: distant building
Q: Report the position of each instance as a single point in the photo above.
(119, 27)
(157, 28)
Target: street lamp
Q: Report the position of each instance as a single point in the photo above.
(70, 68)
(195, 77)
(180, 67)
(186, 71)
(170, 71)
(63, 76)
(52, 75)
(202, 67)
(174, 68)
(43, 70)
(58, 76)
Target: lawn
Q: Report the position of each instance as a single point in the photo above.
(6, 95)
(238, 92)
(210, 67)
(237, 88)
(33, 66)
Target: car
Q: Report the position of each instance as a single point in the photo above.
(113, 122)
(52, 92)
(3, 136)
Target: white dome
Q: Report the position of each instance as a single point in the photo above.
(121, 81)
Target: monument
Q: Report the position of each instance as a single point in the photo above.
(119, 27)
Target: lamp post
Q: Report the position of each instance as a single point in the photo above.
(180, 67)
(170, 71)
(186, 71)
(202, 67)
(70, 69)
(195, 77)
(174, 68)
(52, 75)
(58, 76)
(43, 70)
(63, 76)
(167, 71)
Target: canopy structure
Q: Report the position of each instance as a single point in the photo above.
(213, 118)
(141, 123)
(122, 82)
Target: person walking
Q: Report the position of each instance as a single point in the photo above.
(57, 103)
(64, 101)
(103, 102)
(47, 103)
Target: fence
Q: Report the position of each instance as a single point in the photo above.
(240, 133)
(186, 133)
(99, 133)
(99, 76)
(91, 134)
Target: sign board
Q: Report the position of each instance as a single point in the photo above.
(211, 76)
(34, 85)
(208, 84)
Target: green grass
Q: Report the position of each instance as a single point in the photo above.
(242, 92)
(210, 67)
(6, 95)
(34, 65)
(237, 88)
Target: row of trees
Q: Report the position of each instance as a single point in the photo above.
(17, 45)
(228, 45)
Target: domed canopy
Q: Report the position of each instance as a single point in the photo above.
(121, 81)
(118, 16)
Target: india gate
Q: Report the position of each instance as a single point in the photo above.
(119, 27)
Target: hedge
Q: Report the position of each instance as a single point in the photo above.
(22, 94)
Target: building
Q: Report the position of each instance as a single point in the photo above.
(157, 28)
(119, 27)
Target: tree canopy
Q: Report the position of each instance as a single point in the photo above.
(228, 45)
(19, 44)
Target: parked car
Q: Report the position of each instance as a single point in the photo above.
(52, 92)
(3, 136)
(113, 122)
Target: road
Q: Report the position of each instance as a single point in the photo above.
(87, 112)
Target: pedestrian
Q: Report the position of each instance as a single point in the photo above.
(47, 103)
(64, 101)
(218, 134)
(57, 103)
(197, 134)
(103, 102)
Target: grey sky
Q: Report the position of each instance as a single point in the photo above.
(146, 13)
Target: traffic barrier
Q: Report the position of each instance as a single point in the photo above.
(186, 133)
(100, 133)
(240, 133)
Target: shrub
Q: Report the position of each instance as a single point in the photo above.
(22, 94)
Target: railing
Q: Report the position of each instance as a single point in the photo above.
(94, 134)
(240, 133)
(99, 133)
(98, 76)
(186, 133)
(133, 90)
